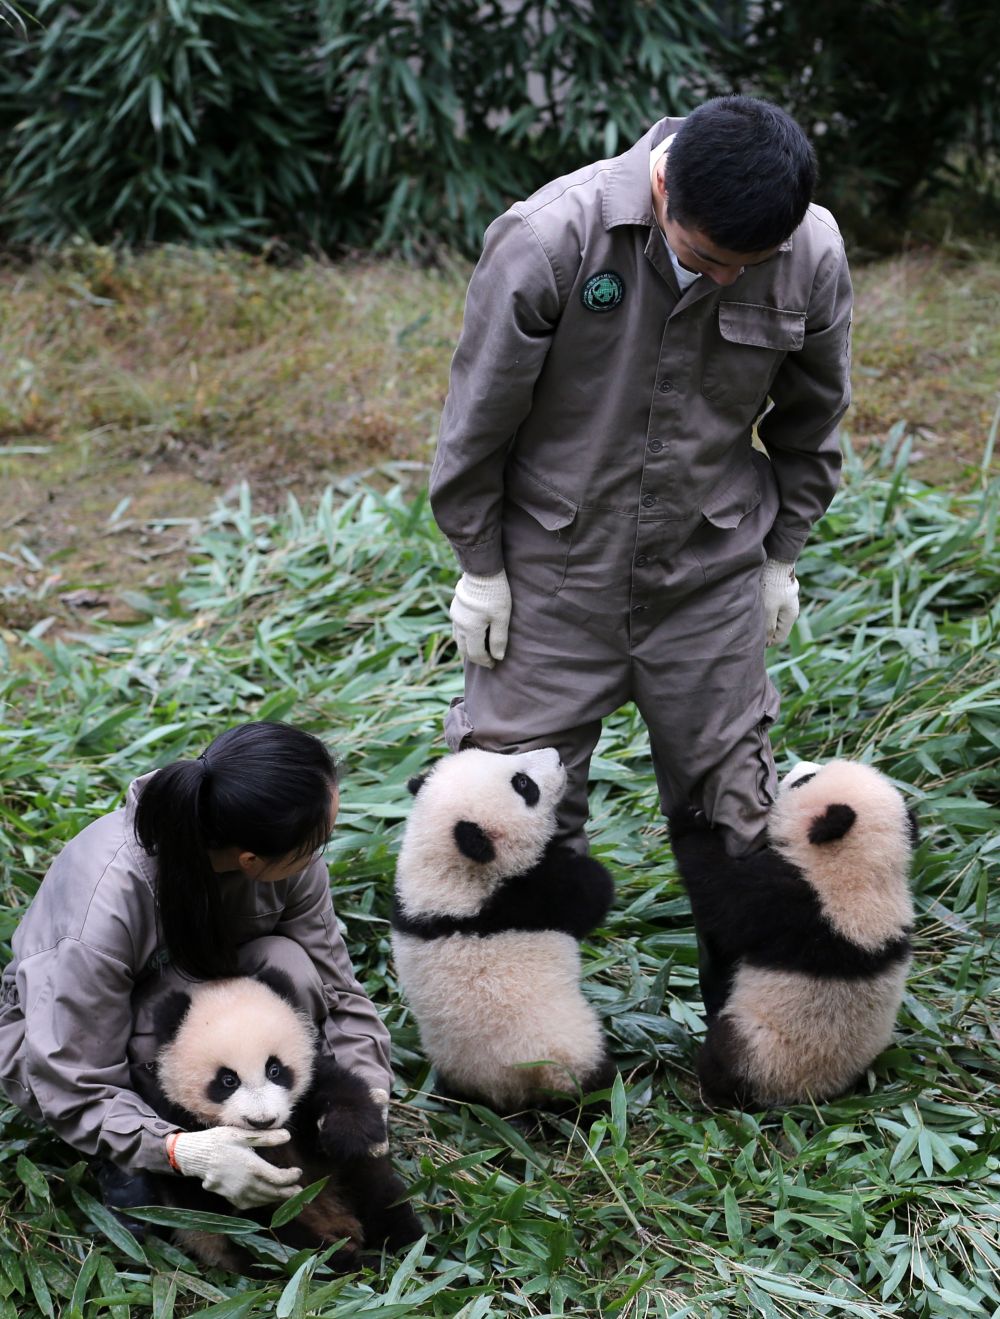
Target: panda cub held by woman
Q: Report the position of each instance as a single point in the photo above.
(806, 942)
(487, 920)
(241, 1053)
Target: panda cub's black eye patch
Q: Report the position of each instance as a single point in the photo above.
(279, 1073)
(527, 788)
(223, 1085)
(473, 842)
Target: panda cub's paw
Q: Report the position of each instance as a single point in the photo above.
(349, 1131)
(687, 819)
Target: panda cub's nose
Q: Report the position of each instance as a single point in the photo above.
(261, 1124)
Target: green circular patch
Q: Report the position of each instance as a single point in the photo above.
(603, 292)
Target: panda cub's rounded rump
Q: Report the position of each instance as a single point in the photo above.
(487, 920)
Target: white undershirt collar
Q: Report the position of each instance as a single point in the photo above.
(685, 277)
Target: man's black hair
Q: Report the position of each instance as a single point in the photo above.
(742, 172)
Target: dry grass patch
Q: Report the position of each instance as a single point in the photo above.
(926, 348)
(164, 378)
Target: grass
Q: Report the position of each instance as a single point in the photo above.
(138, 388)
(333, 614)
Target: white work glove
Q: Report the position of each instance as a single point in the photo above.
(224, 1159)
(481, 604)
(781, 599)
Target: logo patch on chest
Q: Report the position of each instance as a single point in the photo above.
(603, 292)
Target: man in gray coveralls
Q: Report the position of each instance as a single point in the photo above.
(620, 538)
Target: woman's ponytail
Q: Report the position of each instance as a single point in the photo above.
(169, 826)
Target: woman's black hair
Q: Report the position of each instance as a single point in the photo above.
(262, 787)
(742, 171)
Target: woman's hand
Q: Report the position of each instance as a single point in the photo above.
(224, 1159)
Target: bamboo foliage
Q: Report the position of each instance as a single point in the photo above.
(408, 125)
(192, 119)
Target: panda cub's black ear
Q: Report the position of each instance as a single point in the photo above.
(168, 1014)
(834, 823)
(474, 842)
(279, 982)
(418, 780)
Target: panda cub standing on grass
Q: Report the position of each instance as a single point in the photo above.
(808, 940)
(241, 1053)
(486, 925)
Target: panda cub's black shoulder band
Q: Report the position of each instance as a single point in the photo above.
(563, 892)
(433, 927)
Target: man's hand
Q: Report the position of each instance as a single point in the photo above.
(781, 599)
(224, 1159)
(481, 606)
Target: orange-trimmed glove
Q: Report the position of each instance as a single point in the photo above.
(223, 1159)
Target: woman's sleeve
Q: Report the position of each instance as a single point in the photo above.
(77, 1010)
(354, 1030)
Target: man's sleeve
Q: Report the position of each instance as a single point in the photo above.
(811, 393)
(354, 1030)
(78, 1019)
(511, 309)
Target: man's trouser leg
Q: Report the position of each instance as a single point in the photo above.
(562, 674)
(697, 674)
(700, 682)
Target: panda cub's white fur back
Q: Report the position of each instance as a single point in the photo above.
(486, 927)
(807, 941)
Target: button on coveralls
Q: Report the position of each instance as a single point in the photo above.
(596, 444)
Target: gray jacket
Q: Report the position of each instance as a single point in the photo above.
(87, 947)
(588, 391)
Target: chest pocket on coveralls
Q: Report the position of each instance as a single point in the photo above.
(754, 340)
(537, 530)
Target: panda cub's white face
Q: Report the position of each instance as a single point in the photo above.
(479, 818)
(242, 1056)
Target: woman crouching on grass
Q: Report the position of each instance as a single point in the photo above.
(212, 868)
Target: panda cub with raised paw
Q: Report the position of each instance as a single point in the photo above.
(807, 941)
(487, 920)
(242, 1053)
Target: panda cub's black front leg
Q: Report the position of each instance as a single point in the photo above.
(706, 869)
(710, 877)
(693, 838)
(351, 1130)
(578, 890)
(340, 1109)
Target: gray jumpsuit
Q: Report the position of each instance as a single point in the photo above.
(596, 443)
